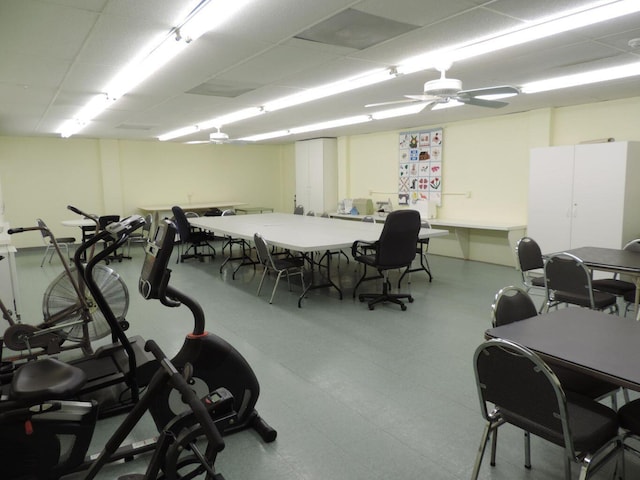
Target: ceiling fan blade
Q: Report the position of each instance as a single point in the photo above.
(394, 102)
(481, 102)
(424, 97)
(506, 90)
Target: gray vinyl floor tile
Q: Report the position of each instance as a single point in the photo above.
(354, 394)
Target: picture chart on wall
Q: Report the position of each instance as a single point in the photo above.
(420, 166)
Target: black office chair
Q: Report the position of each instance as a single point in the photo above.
(421, 251)
(299, 210)
(512, 304)
(63, 243)
(515, 386)
(568, 281)
(287, 266)
(530, 264)
(396, 248)
(103, 221)
(629, 418)
(195, 239)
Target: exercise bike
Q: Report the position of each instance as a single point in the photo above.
(70, 315)
(45, 432)
(45, 437)
(115, 372)
(214, 361)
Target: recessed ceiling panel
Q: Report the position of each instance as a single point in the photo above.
(216, 88)
(355, 29)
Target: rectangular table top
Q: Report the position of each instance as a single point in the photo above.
(300, 233)
(192, 206)
(615, 259)
(599, 344)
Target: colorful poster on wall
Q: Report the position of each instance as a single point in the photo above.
(420, 166)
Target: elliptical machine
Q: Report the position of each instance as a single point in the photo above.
(214, 361)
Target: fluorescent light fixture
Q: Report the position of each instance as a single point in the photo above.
(352, 83)
(340, 122)
(400, 111)
(181, 132)
(585, 78)
(232, 117)
(207, 15)
(266, 136)
(565, 22)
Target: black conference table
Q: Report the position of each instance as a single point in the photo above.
(599, 344)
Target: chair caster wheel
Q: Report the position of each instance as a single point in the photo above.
(371, 307)
(403, 307)
(361, 298)
(410, 299)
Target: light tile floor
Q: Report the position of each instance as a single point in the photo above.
(354, 394)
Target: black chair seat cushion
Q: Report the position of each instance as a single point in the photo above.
(592, 424)
(600, 299)
(288, 262)
(371, 261)
(65, 239)
(48, 379)
(614, 286)
(629, 416)
(537, 281)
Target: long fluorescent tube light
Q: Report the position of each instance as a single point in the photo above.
(207, 15)
(400, 111)
(584, 78)
(565, 22)
(340, 122)
(352, 83)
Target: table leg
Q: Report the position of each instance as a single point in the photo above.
(329, 282)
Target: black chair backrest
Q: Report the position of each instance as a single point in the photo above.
(45, 233)
(299, 210)
(512, 304)
(262, 249)
(633, 245)
(523, 388)
(529, 254)
(228, 212)
(567, 273)
(105, 220)
(398, 241)
(182, 224)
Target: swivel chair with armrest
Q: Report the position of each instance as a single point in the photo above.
(395, 249)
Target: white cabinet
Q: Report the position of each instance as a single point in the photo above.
(317, 175)
(584, 195)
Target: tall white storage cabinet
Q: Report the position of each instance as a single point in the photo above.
(584, 195)
(317, 175)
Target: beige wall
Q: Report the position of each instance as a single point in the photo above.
(487, 157)
(41, 176)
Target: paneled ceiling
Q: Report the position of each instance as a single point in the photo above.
(56, 54)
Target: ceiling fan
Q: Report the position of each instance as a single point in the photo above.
(445, 90)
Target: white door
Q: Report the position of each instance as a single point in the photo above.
(598, 195)
(550, 197)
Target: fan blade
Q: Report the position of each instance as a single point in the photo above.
(480, 102)
(506, 90)
(394, 102)
(424, 97)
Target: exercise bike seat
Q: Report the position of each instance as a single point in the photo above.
(46, 379)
